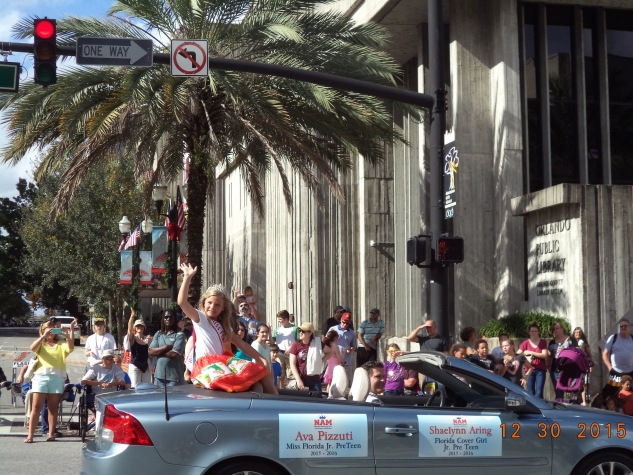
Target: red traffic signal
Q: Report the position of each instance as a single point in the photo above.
(45, 51)
(449, 250)
(44, 28)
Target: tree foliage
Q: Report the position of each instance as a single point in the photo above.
(14, 284)
(79, 250)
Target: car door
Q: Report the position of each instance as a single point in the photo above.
(434, 441)
(478, 434)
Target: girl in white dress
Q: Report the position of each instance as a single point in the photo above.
(213, 324)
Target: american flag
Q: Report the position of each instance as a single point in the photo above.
(123, 241)
(182, 223)
(133, 239)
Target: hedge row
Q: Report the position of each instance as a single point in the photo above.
(517, 325)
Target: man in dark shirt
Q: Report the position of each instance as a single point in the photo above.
(431, 341)
(334, 320)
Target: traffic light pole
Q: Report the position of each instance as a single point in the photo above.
(329, 80)
(439, 272)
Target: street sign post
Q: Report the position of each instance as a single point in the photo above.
(189, 58)
(9, 76)
(114, 52)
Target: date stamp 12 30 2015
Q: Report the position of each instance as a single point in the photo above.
(584, 431)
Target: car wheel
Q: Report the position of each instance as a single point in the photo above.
(77, 341)
(246, 468)
(609, 463)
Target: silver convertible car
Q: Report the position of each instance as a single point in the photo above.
(475, 423)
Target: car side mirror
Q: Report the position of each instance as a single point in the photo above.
(514, 400)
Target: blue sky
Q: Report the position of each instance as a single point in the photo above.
(12, 12)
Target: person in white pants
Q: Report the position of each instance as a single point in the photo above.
(138, 370)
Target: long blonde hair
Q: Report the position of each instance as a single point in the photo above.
(46, 325)
(227, 318)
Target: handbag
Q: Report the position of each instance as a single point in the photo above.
(30, 371)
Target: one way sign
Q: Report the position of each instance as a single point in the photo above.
(114, 51)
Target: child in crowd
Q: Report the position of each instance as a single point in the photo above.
(611, 404)
(261, 343)
(118, 360)
(482, 358)
(497, 351)
(626, 395)
(250, 297)
(394, 373)
(276, 367)
(332, 356)
(458, 350)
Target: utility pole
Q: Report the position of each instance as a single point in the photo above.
(439, 272)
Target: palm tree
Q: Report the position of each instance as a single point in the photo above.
(229, 120)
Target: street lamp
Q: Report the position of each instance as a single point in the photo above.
(125, 226)
(158, 195)
(147, 225)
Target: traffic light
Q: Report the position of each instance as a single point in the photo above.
(416, 250)
(450, 250)
(45, 51)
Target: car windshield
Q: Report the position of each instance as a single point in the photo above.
(463, 388)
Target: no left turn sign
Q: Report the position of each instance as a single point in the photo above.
(189, 58)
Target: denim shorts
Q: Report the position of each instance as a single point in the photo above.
(47, 384)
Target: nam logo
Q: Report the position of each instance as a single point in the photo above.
(322, 423)
(459, 421)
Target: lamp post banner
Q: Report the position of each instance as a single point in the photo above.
(125, 276)
(451, 165)
(160, 241)
(146, 267)
(182, 255)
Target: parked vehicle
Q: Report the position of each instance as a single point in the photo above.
(66, 321)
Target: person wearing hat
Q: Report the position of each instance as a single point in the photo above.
(346, 342)
(369, 332)
(103, 378)
(334, 320)
(98, 342)
(139, 351)
(306, 359)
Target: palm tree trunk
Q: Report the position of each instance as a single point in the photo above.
(196, 200)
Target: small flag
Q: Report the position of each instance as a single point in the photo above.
(133, 240)
(122, 245)
(182, 223)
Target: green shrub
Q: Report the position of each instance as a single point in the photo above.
(517, 325)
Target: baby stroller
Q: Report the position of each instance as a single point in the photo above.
(573, 365)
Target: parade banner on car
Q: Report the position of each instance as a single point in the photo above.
(160, 242)
(459, 436)
(322, 435)
(125, 276)
(146, 267)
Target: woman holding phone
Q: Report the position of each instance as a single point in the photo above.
(50, 371)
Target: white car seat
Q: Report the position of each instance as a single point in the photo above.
(338, 386)
(360, 385)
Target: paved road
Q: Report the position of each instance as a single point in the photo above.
(17, 458)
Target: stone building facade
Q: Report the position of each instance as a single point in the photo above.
(540, 106)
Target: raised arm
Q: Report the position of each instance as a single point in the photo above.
(187, 308)
(130, 329)
(37, 343)
(413, 336)
(70, 335)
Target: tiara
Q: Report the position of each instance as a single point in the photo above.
(219, 288)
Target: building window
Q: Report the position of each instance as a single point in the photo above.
(578, 95)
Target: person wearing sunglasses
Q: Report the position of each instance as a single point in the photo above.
(618, 358)
(168, 346)
(306, 359)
